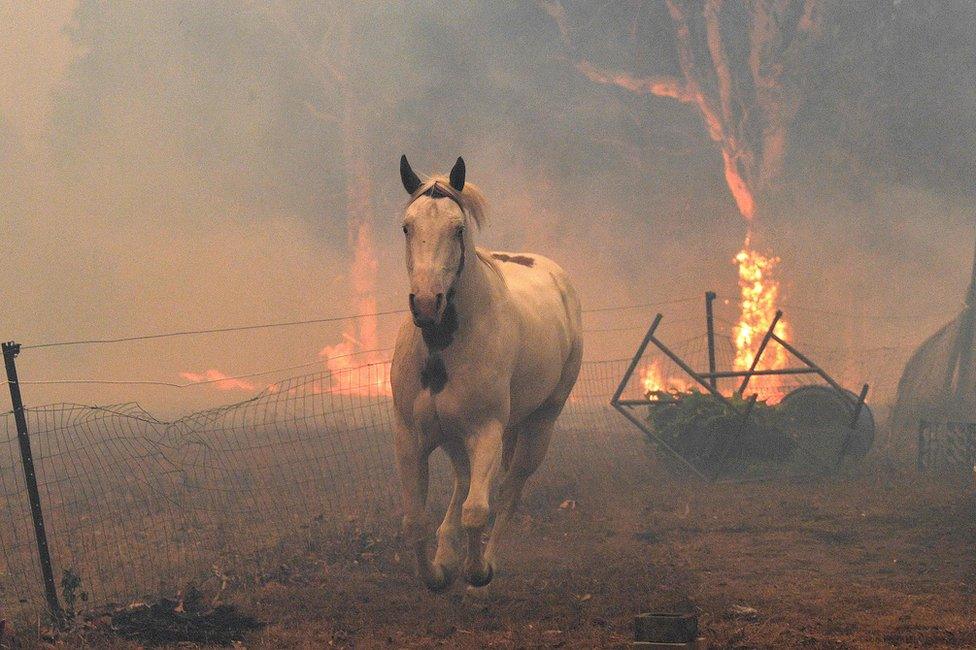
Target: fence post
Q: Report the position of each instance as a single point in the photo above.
(710, 325)
(10, 351)
(770, 334)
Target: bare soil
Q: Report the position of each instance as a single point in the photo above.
(878, 558)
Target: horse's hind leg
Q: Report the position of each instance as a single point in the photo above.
(531, 445)
(449, 552)
(530, 449)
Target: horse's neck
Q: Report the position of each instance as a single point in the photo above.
(476, 290)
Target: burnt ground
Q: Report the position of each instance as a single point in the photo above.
(880, 558)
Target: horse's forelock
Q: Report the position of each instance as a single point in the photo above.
(471, 200)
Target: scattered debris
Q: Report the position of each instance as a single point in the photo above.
(48, 633)
(666, 628)
(568, 504)
(71, 592)
(182, 621)
(743, 613)
(223, 584)
(648, 536)
(833, 537)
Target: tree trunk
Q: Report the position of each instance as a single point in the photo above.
(359, 233)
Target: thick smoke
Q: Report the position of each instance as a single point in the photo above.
(168, 166)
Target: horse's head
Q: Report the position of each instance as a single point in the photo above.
(435, 223)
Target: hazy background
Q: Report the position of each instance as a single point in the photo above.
(161, 169)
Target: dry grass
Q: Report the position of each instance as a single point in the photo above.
(884, 558)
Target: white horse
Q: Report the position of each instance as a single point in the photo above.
(482, 369)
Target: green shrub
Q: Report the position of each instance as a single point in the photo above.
(711, 434)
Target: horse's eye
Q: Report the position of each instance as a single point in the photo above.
(404, 229)
(459, 232)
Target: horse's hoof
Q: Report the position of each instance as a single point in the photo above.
(446, 580)
(478, 596)
(480, 580)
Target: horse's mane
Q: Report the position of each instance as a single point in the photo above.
(471, 200)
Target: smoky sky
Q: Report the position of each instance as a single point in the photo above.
(162, 169)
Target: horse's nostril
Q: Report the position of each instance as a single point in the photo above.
(440, 299)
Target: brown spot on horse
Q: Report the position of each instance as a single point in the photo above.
(524, 260)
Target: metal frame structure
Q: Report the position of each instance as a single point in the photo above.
(946, 445)
(708, 381)
(949, 430)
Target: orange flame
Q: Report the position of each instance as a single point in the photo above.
(759, 292)
(355, 371)
(219, 380)
(355, 365)
(654, 382)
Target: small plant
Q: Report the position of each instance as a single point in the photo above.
(71, 592)
(708, 432)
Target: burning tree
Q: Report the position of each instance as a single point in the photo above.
(732, 67)
(732, 60)
(327, 53)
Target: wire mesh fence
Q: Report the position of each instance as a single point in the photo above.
(137, 508)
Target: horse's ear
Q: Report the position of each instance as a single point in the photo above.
(410, 180)
(457, 175)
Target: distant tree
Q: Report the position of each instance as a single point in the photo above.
(891, 92)
(326, 39)
(876, 89)
(733, 66)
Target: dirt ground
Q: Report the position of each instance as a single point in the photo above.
(880, 557)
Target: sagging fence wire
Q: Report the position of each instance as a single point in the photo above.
(201, 382)
(260, 373)
(217, 330)
(137, 507)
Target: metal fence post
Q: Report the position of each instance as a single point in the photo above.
(922, 457)
(10, 351)
(710, 327)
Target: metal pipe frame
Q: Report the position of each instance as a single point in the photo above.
(708, 381)
(759, 352)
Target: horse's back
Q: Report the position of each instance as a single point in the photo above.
(548, 310)
(540, 289)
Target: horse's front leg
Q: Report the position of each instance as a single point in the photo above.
(449, 550)
(484, 452)
(412, 455)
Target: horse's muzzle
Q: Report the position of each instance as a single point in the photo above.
(427, 310)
